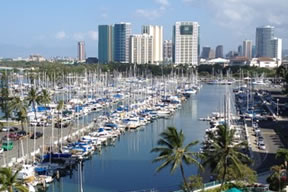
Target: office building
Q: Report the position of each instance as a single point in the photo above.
(212, 54)
(186, 43)
(264, 35)
(121, 34)
(105, 43)
(157, 33)
(247, 49)
(240, 50)
(81, 51)
(141, 49)
(167, 51)
(219, 51)
(205, 52)
(276, 45)
(253, 51)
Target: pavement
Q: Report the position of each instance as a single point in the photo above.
(27, 145)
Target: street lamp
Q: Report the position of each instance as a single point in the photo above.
(277, 106)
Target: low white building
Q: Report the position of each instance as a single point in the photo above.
(219, 61)
(265, 62)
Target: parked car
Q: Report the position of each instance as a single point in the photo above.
(7, 145)
(260, 142)
(11, 136)
(261, 146)
(10, 129)
(36, 135)
(22, 133)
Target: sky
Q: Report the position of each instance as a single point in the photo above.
(53, 27)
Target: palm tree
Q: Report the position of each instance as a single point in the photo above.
(8, 181)
(20, 107)
(223, 154)
(33, 98)
(283, 155)
(4, 95)
(45, 98)
(278, 178)
(173, 152)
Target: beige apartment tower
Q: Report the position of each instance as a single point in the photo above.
(81, 51)
(247, 49)
(156, 32)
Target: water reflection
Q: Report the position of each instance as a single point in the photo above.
(128, 165)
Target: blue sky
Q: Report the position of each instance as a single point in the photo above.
(53, 27)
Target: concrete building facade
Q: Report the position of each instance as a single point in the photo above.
(186, 43)
(247, 49)
(141, 49)
(156, 32)
(81, 51)
(121, 34)
(105, 43)
(167, 51)
(219, 52)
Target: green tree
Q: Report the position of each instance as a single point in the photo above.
(33, 98)
(282, 154)
(20, 107)
(8, 181)
(172, 152)
(194, 182)
(223, 153)
(4, 95)
(45, 97)
(278, 178)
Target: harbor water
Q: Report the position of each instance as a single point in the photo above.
(127, 164)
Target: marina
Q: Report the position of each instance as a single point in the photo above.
(117, 129)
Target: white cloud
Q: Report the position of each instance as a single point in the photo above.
(245, 15)
(148, 13)
(162, 2)
(93, 35)
(154, 13)
(61, 35)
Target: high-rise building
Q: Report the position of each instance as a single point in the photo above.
(81, 51)
(219, 51)
(240, 50)
(122, 33)
(264, 35)
(157, 33)
(205, 52)
(167, 51)
(141, 49)
(186, 43)
(253, 51)
(105, 43)
(212, 54)
(247, 49)
(276, 45)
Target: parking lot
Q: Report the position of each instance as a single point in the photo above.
(271, 141)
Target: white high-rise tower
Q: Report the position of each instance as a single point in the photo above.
(186, 43)
(141, 49)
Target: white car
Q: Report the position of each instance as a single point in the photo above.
(261, 146)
